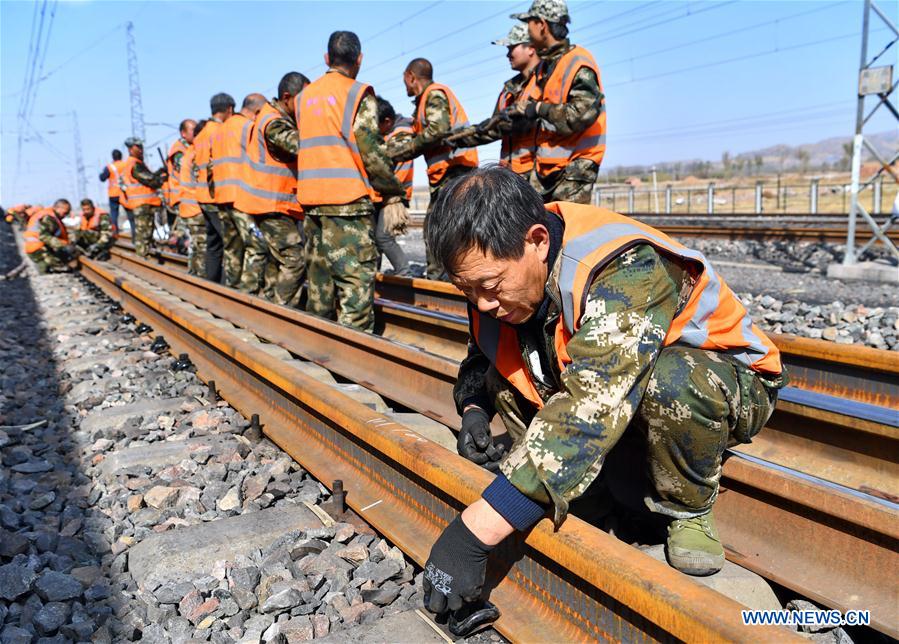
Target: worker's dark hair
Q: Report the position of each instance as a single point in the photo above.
(421, 67)
(183, 125)
(62, 200)
(489, 208)
(200, 125)
(385, 109)
(87, 202)
(221, 102)
(344, 48)
(292, 83)
(559, 30)
(116, 155)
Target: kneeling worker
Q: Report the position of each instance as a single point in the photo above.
(587, 324)
(47, 240)
(96, 234)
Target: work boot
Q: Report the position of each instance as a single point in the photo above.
(694, 547)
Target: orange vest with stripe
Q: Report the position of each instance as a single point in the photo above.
(171, 189)
(113, 189)
(442, 157)
(33, 241)
(134, 193)
(329, 167)
(267, 184)
(713, 317)
(188, 207)
(94, 222)
(202, 156)
(228, 151)
(555, 151)
(404, 170)
(517, 148)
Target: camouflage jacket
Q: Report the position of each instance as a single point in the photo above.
(46, 232)
(629, 308)
(437, 116)
(281, 135)
(102, 236)
(378, 165)
(176, 158)
(150, 179)
(491, 129)
(585, 101)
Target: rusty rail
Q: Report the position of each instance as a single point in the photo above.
(423, 381)
(575, 584)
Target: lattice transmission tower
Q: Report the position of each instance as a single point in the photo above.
(137, 108)
(80, 173)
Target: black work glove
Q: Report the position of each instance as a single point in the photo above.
(475, 441)
(92, 250)
(455, 570)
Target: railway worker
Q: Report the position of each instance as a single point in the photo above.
(18, 214)
(569, 115)
(437, 112)
(222, 107)
(518, 137)
(140, 198)
(189, 212)
(586, 323)
(267, 193)
(47, 240)
(394, 129)
(96, 234)
(228, 151)
(171, 189)
(342, 161)
(110, 174)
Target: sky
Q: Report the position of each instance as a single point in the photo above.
(683, 80)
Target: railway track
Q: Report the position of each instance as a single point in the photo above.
(780, 495)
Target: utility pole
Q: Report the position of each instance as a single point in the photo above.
(876, 82)
(137, 108)
(79, 158)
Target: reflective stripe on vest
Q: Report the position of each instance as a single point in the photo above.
(404, 171)
(266, 184)
(553, 151)
(441, 158)
(712, 319)
(134, 193)
(330, 170)
(113, 189)
(202, 155)
(228, 152)
(188, 207)
(32, 237)
(171, 189)
(517, 148)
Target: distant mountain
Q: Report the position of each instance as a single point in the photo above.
(828, 151)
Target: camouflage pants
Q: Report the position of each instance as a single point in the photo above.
(696, 405)
(196, 259)
(285, 256)
(86, 238)
(144, 224)
(433, 271)
(574, 183)
(342, 264)
(232, 262)
(45, 261)
(255, 252)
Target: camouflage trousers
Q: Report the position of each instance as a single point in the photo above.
(697, 404)
(87, 238)
(144, 224)
(255, 252)
(46, 261)
(573, 183)
(433, 271)
(281, 262)
(232, 261)
(343, 260)
(196, 258)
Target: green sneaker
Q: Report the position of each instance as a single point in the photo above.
(694, 547)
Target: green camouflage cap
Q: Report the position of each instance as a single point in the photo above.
(133, 140)
(549, 10)
(518, 35)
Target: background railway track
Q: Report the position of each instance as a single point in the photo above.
(770, 510)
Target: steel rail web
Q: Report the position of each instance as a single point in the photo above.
(768, 515)
(550, 586)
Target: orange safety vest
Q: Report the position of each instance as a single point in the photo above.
(517, 148)
(555, 151)
(113, 189)
(404, 171)
(134, 193)
(228, 150)
(442, 158)
(329, 167)
(33, 241)
(202, 157)
(188, 207)
(171, 189)
(266, 183)
(713, 317)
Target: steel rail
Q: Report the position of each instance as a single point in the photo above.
(802, 509)
(575, 584)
